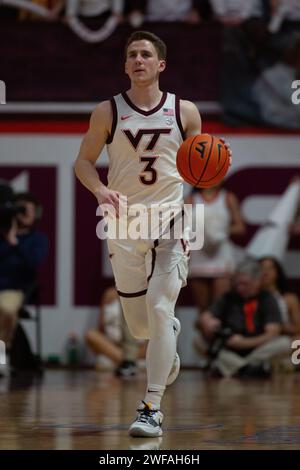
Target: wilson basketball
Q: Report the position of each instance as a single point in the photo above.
(202, 160)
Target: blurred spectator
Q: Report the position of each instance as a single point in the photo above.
(94, 8)
(77, 12)
(272, 237)
(274, 281)
(22, 250)
(235, 12)
(35, 9)
(248, 321)
(111, 11)
(51, 8)
(273, 89)
(112, 341)
(285, 16)
(135, 11)
(245, 53)
(174, 10)
(212, 266)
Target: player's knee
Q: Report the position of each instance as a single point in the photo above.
(160, 316)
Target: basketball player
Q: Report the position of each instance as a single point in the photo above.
(143, 129)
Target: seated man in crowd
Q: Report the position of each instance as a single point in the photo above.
(273, 91)
(22, 250)
(246, 321)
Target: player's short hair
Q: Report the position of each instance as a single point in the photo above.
(158, 43)
(249, 266)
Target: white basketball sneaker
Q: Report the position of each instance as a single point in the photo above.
(147, 423)
(176, 364)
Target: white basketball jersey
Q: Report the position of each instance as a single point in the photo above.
(142, 151)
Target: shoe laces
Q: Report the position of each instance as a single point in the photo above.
(145, 413)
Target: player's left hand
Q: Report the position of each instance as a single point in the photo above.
(228, 148)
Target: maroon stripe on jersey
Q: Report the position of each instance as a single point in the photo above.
(114, 121)
(177, 217)
(178, 118)
(185, 247)
(134, 294)
(141, 111)
(153, 259)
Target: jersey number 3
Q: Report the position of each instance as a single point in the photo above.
(149, 174)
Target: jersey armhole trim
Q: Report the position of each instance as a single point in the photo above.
(114, 121)
(178, 118)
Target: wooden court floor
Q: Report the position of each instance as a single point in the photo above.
(92, 410)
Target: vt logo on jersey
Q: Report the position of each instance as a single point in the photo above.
(135, 139)
(149, 174)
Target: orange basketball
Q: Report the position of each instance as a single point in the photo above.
(202, 160)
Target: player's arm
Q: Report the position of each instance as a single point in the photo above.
(90, 149)
(192, 124)
(190, 118)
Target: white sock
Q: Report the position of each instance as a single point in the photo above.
(154, 395)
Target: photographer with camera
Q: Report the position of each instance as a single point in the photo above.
(22, 250)
(243, 326)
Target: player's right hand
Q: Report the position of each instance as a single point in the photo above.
(110, 200)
